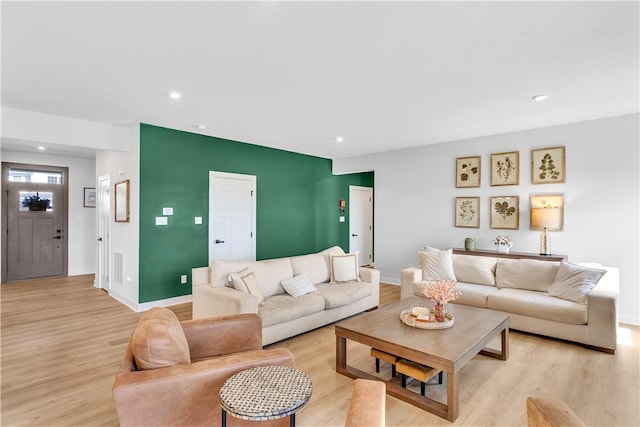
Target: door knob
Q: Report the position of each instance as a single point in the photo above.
(99, 239)
(219, 241)
(354, 235)
(57, 237)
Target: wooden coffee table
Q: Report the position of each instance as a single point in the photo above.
(448, 350)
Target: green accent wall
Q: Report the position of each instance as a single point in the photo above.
(297, 203)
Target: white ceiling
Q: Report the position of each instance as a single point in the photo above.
(294, 75)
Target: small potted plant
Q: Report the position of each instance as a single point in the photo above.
(35, 203)
(503, 243)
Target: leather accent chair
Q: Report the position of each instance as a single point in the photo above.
(367, 407)
(165, 381)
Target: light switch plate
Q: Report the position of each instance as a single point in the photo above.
(161, 220)
(341, 219)
(198, 220)
(167, 211)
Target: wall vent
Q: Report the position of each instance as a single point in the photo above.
(118, 267)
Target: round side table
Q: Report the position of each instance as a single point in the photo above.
(265, 393)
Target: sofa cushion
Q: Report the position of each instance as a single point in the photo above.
(473, 294)
(314, 266)
(436, 264)
(298, 285)
(284, 307)
(573, 282)
(342, 294)
(475, 269)
(529, 274)
(237, 283)
(270, 274)
(159, 341)
(344, 268)
(538, 304)
(220, 269)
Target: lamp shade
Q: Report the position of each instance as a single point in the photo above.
(551, 218)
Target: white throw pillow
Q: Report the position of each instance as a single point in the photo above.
(246, 281)
(573, 282)
(298, 285)
(344, 268)
(437, 264)
(237, 282)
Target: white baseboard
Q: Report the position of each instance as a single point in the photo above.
(115, 295)
(164, 302)
(629, 319)
(390, 280)
(140, 307)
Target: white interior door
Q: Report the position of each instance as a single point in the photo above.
(232, 216)
(104, 232)
(361, 223)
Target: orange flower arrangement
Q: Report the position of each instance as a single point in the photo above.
(441, 291)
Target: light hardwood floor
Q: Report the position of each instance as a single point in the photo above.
(63, 339)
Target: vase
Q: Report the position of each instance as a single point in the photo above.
(439, 312)
(503, 249)
(469, 244)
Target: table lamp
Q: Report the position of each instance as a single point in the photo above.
(545, 219)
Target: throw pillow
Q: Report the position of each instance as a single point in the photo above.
(251, 283)
(298, 285)
(573, 282)
(246, 281)
(436, 264)
(344, 268)
(236, 281)
(159, 341)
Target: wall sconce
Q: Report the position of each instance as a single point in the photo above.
(342, 204)
(547, 215)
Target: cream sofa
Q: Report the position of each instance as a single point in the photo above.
(523, 288)
(283, 315)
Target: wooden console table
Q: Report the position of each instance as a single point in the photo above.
(512, 255)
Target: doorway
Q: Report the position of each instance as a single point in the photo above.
(104, 233)
(34, 221)
(361, 223)
(232, 216)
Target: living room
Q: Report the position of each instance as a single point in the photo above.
(414, 182)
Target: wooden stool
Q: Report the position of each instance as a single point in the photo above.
(387, 357)
(419, 372)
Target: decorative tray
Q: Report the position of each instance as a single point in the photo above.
(410, 320)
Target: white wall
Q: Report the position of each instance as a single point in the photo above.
(415, 193)
(82, 221)
(120, 166)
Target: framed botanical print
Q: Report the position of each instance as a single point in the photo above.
(468, 172)
(548, 165)
(505, 168)
(122, 201)
(505, 212)
(468, 212)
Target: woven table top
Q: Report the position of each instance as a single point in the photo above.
(265, 392)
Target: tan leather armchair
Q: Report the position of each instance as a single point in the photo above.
(186, 393)
(367, 407)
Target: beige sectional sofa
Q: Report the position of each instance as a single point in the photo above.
(546, 297)
(219, 290)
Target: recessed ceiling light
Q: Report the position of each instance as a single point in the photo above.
(339, 139)
(42, 148)
(540, 97)
(175, 95)
(202, 127)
